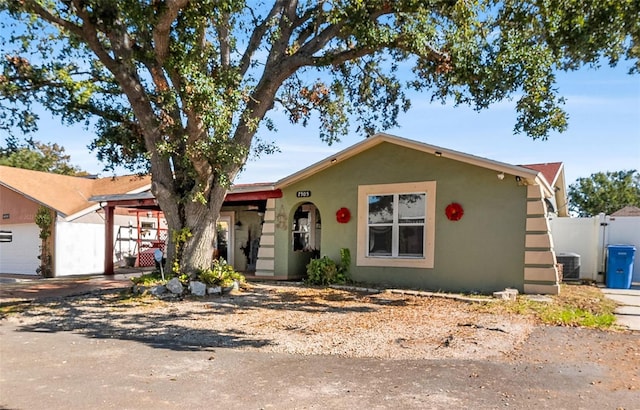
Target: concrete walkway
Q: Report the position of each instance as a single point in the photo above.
(31, 287)
(628, 313)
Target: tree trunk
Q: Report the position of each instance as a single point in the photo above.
(196, 253)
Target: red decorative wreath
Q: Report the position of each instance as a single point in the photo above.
(343, 215)
(454, 211)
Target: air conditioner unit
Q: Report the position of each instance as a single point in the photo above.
(570, 265)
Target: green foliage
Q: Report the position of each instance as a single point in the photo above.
(577, 317)
(345, 261)
(220, 274)
(324, 271)
(37, 156)
(148, 279)
(576, 305)
(181, 88)
(179, 237)
(44, 220)
(604, 192)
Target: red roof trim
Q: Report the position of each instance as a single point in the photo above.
(253, 196)
(550, 170)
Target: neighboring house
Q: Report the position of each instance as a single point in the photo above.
(417, 215)
(627, 211)
(77, 240)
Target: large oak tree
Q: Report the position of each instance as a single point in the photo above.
(181, 86)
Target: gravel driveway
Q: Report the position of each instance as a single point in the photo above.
(295, 320)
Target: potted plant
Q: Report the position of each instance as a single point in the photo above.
(130, 260)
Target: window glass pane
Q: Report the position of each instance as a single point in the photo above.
(411, 240)
(300, 241)
(303, 227)
(380, 240)
(411, 208)
(380, 209)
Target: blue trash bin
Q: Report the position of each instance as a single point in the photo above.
(620, 266)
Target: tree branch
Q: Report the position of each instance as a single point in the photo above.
(163, 28)
(33, 6)
(223, 35)
(311, 28)
(341, 57)
(281, 44)
(256, 38)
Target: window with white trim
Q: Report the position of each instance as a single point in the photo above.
(395, 224)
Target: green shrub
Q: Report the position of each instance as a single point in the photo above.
(345, 261)
(221, 274)
(324, 271)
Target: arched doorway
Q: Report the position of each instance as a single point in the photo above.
(224, 237)
(306, 228)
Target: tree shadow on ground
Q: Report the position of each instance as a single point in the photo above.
(108, 314)
(311, 300)
(155, 329)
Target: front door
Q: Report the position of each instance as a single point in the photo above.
(224, 238)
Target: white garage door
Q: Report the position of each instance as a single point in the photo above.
(21, 254)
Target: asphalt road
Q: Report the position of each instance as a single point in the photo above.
(559, 368)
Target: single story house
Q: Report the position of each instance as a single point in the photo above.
(420, 216)
(77, 232)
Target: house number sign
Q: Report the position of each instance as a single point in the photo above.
(303, 194)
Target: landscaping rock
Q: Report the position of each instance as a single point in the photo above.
(174, 286)
(158, 290)
(507, 294)
(197, 288)
(138, 289)
(214, 290)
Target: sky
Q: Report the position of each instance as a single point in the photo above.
(603, 134)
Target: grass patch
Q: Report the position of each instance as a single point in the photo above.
(576, 305)
(148, 279)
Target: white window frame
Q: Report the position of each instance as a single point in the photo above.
(427, 260)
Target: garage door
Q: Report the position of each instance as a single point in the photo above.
(21, 254)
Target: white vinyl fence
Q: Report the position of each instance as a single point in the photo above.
(80, 248)
(589, 238)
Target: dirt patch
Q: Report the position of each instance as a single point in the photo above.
(295, 320)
